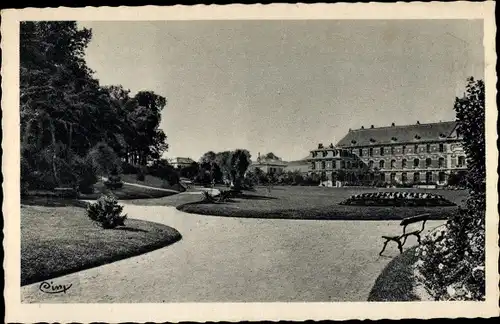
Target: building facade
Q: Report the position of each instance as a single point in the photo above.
(181, 162)
(418, 154)
(268, 165)
(333, 163)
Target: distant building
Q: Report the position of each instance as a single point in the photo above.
(180, 162)
(268, 165)
(331, 163)
(418, 153)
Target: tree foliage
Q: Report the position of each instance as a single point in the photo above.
(65, 113)
(224, 166)
(451, 261)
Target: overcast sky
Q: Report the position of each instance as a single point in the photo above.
(285, 86)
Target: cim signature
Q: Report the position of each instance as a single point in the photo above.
(50, 288)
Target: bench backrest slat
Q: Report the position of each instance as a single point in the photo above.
(414, 219)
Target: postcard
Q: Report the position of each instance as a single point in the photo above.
(250, 162)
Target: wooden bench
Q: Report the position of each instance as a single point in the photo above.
(401, 239)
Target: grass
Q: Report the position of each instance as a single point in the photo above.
(314, 203)
(173, 200)
(127, 192)
(59, 238)
(396, 281)
(150, 181)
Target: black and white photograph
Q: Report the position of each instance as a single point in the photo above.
(273, 160)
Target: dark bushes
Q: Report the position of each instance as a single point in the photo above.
(128, 168)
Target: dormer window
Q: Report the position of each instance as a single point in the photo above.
(394, 139)
(442, 135)
(353, 142)
(372, 140)
(417, 137)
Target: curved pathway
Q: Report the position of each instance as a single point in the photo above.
(223, 259)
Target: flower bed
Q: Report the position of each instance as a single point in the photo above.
(397, 198)
(450, 261)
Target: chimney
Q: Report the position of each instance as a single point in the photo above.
(393, 125)
(371, 126)
(362, 127)
(350, 129)
(418, 122)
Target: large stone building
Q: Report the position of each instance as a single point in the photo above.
(331, 163)
(419, 153)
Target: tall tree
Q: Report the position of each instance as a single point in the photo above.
(57, 92)
(240, 161)
(223, 160)
(150, 141)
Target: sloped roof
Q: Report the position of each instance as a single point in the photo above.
(398, 134)
(298, 162)
(182, 160)
(263, 160)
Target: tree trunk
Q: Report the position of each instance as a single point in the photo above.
(27, 131)
(54, 155)
(70, 139)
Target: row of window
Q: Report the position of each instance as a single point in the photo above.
(381, 164)
(392, 150)
(429, 178)
(343, 165)
(340, 153)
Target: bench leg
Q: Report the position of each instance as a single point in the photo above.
(400, 247)
(383, 249)
(404, 240)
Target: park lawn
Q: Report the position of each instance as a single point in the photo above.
(150, 181)
(396, 282)
(297, 202)
(173, 200)
(60, 240)
(127, 192)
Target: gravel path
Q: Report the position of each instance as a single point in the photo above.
(223, 259)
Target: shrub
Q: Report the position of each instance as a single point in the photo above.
(164, 171)
(141, 174)
(106, 212)
(128, 168)
(207, 197)
(451, 263)
(114, 182)
(86, 175)
(104, 158)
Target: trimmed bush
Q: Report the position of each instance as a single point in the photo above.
(114, 182)
(106, 212)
